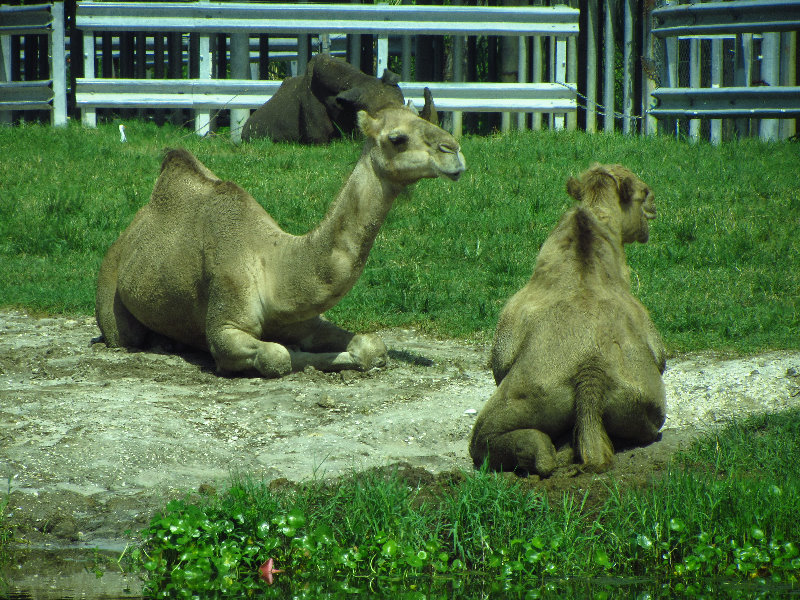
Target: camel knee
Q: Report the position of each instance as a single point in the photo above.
(241, 352)
(119, 328)
(273, 360)
(368, 351)
(528, 450)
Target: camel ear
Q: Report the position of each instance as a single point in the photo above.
(626, 191)
(351, 97)
(574, 188)
(390, 78)
(368, 126)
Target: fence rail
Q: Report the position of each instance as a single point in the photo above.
(242, 20)
(776, 96)
(43, 94)
(737, 16)
(229, 49)
(331, 18)
(243, 93)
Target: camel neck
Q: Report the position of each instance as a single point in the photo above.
(336, 251)
(353, 220)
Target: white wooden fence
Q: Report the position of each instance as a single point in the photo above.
(242, 20)
(50, 94)
(777, 96)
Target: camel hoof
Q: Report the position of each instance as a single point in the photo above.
(368, 351)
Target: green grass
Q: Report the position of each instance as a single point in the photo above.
(721, 523)
(721, 272)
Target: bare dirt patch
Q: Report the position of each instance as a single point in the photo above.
(95, 440)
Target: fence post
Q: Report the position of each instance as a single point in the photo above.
(89, 115)
(628, 67)
(354, 45)
(202, 118)
(743, 57)
(572, 77)
(694, 82)
(522, 77)
(608, 69)
(559, 74)
(382, 62)
(591, 66)
(716, 81)
(58, 65)
(649, 75)
(770, 74)
(536, 76)
(458, 74)
(240, 69)
(5, 71)
(788, 76)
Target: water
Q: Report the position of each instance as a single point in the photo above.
(71, 574)
(46, 574)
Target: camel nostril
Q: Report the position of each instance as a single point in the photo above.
(447, 148)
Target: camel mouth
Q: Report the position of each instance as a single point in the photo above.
(452, 175)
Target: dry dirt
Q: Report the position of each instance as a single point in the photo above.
(94, 440)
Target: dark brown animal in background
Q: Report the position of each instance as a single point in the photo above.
(574, 350)
(322, 104)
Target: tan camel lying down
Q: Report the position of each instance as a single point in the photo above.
(574, 351)
(203, 264)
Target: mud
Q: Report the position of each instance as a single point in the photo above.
(94, 440)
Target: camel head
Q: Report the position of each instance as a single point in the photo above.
(613, 192)
(405, 148)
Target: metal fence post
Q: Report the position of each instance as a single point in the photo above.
(770, 74)
(5, 71)
(591, 66)
(694, 82)
(608, 69)
(89, 114)
(536, 75)
(716, 81)
(628, 67)
(240, 69)
(58, 65)
(559, 74)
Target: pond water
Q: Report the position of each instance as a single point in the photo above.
(88, 574)
(46, 574)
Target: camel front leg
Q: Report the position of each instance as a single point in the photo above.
(331, 348)
(236, 350)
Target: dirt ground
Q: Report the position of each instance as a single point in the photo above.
(94, 440)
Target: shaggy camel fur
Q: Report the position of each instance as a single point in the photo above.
(203, 264)
(322, 104)
(574, 351)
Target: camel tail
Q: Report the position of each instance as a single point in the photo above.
(590, 438)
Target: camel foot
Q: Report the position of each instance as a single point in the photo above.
(367, 351)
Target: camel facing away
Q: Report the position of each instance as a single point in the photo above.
(203, 263)
(574, 351)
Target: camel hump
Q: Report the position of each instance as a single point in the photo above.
(181, 159)
(592, 384)
(184, 181)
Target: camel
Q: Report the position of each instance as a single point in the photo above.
(203, 264)
(322, 103)
(574, 351)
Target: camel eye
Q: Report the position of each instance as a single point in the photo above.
(398, 138)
